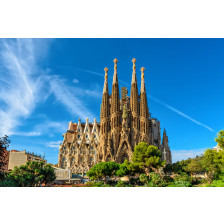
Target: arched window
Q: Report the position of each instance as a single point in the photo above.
(64, 163)
(72, 161)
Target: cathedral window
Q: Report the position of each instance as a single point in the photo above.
(64, 163)
(78, 136)
(86, 136)
(74, 147)
(73, 161)
(94, 136)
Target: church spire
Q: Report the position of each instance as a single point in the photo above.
(115, 100)
(134, 80)
(115, 79)
(143, 80)
(105, 88)
(134, 100)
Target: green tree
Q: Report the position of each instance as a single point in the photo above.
(195, 167)
(220, 139)
(212, 163)
(143, 178)
(102, 170)
(32, 174)
(4, 144)
(148, 158)
(49, 174)
(128, 169)
(155, 180)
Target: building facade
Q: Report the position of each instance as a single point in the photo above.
(124, 122)
(78, 150)
(18, 158)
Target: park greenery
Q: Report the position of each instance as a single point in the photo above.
(146, 169)
(32, 174)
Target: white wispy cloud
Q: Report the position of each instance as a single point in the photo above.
(31, 133)
(75, 81)
(90, 72)
(55, 144)
(19, 89)
(181, 113)
(102, 75)
(70, 97)
(49, 127)
(24, 84)
(178, 155)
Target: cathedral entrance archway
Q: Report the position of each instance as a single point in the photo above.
(124, 153)
(109, 158)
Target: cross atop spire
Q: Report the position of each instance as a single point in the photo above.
(115, 80)
(134, 80)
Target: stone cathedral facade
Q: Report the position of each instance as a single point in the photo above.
(124, 122)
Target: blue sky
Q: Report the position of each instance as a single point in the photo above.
(45, 83)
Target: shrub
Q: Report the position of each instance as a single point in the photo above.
(182, 183)
(96, 184)
(121, 183)
(143, 178)
(168, 179)
(8, 183)
(155, 181)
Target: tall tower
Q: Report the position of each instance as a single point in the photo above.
(115, 111)
(166, 153)
(134, 105)
(144, 111)
(104, 118)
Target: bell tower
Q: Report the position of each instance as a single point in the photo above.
(134, 105)
(104, 118)
(144, 111)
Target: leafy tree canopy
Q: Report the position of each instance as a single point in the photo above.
(195, 167)
(212, 163)
(147, 157)
(32, 174)
(128, 168)
(102, 170)
(220, 139)
(4, 142)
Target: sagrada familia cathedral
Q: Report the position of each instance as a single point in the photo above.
(124, 122)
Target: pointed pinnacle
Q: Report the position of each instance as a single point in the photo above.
(142, 70)
(106, 71)
(115, 60)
